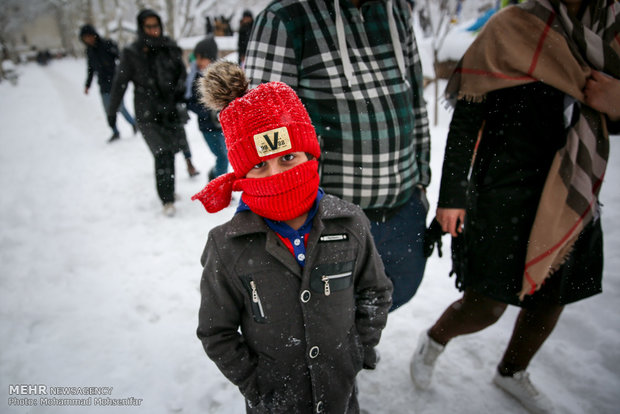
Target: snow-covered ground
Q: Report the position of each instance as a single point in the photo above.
(99, 289)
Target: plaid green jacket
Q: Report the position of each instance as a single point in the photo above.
(374, 133)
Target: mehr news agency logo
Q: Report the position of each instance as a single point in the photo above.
(32, 395)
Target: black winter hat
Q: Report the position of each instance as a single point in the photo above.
(88, 29)
(207, 48)
(142, 17)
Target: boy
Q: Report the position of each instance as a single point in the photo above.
(295, 269)
(205, 53)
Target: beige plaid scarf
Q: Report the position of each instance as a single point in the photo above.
(539, 41)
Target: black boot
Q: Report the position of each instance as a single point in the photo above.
(191, 170)
(114, 137)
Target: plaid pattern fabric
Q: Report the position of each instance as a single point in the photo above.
(539, 41)
(374, 134)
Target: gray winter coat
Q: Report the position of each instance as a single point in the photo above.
(305, 332)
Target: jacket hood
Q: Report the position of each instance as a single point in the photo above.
(88, 29)
(207, 48)
(142, 17)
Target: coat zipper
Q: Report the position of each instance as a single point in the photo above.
(256, 298)
(325, 279)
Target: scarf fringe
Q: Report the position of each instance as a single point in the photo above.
(449, 102)
(472, 98)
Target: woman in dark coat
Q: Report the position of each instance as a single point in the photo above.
(154, 64)
(528, 215)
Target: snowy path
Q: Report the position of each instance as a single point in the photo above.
(98, 288)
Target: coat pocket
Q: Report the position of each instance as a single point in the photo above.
(331, 277)
(274, 387)
(256, 305)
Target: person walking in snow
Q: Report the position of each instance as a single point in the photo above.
(294, 294)
(355, 65)
(205, 53)
(245, 29)
(102, 55)
(528, 217)
(155, 66)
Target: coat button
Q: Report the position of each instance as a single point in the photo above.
(305, 296)
(319, 407)
(314, 352)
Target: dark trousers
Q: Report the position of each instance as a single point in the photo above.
(164, 176)
(400, 242)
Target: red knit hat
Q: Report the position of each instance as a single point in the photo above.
(266, 122)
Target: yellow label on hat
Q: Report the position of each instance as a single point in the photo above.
(273, 141)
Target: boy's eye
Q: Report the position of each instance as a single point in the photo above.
(288, 157)
(259, 165)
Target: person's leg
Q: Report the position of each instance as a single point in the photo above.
(400, 242)
(184, 145)
(123, 110)
(216, 143)
(532, 328)
(105, 98)
(472, 313)
(164, 176)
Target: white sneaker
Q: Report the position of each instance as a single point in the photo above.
(169, 209)
(423, 360)
(521, 388)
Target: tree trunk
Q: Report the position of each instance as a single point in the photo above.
(171, 18)
(104, 18)
(436, 81)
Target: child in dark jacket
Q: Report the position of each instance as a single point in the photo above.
(205, 53)
(295, 269)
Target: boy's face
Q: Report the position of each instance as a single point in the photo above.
(277, 165)
(202, 62)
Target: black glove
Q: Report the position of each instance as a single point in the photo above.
(182, 112)
(112, 121)
(432, 236)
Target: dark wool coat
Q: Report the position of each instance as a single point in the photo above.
(522, 128)
(158, 75)
(102, 61)
(300, 346)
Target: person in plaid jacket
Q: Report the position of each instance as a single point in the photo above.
(355, 65)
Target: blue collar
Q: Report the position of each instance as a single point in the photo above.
(281, 227)
(296, 238)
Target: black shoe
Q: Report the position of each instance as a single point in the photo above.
(114, 137)
(191, 170)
